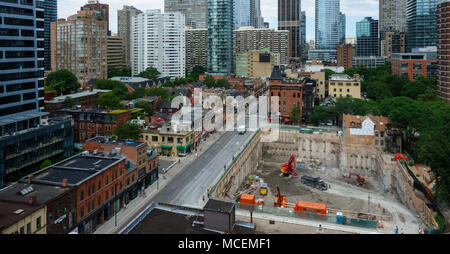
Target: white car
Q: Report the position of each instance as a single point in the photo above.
(242, 129)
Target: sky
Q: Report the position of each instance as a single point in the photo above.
(355, 10)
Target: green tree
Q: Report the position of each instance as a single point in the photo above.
(222, 83)
(146, 106)
(150, 73)
(68, 102)
(377, 90)
(62, 82)
(197, 71)
(319, 115)
(328, 74)
(128, 131)
(113, 72)
(109, 100)
(46, 163)
(210, 82)
(138, 92)
(295, 115)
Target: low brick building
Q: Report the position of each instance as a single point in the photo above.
(87, 99)
(366, 130)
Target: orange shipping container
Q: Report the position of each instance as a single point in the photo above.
(308, 206)
(247, 199)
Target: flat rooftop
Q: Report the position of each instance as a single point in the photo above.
(76, 95)
(219, 205)
(11, 212)
(21, 191)
(110, 141)
(76, 169)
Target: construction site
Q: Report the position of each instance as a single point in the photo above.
(316, 177)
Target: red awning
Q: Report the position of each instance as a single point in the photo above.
(287, 120)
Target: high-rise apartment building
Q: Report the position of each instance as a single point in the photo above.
(79, 44)
(196, 48)
(195, 11)
(303, 34)
(220, 36)
(158, 40)
(242, 13)
(342, 28)
(124, 30)
(367, 37)
(327, 24)
(421, 24)
(289, 19)
(100, 10)
(392, 15)
(443, 51)
(50, 15)
(249, 38)
(21, 63)
(393, 42)
(114, 53)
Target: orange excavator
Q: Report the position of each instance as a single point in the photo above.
(361, 180)
(280, 201)
(288, 169)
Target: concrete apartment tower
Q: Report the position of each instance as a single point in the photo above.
(79, 45)
(443, 53)
(166, 50)
(392, 26)
(195, 11)
(124, 30)
(196, 48)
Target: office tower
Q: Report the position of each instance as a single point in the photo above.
(303, 33)
(124, 30)
(78, 44)
(443, 55)
(249, 38)
(195, 11)
(289, 19)
(114, 53)
(25, 141)
(257, 21)
(393, 42)
(196, 48)
(165, 50)
(342, 28)
(242, 13)
(367, 37)
(220, 36)
(392, 14)
(421, 23)
(345, 54)
(327, 24)
(100, 10)
(50, 15)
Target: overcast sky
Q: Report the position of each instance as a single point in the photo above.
(354, 10)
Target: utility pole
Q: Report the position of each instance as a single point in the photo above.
(368, 204)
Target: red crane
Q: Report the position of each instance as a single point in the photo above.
(287, 169)
(361, 180)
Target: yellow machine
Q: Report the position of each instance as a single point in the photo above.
(263, 189)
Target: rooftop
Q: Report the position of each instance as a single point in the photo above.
(21, 191)
(217, 205)
(110, 141)
(12, 212)
(77, 95)
(342, 77)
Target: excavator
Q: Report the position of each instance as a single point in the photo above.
(361, 180)
(288, 169)
(280, 201)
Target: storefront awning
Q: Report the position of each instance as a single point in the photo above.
(166, 147)
(182, 148)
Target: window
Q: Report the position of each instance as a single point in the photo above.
(381, 142)
(155, 138)
(29, 228)
(417, 66)
(38, 223)
(81, 212)
(99, 200)
(180, 140)
(106, 195)
(107, 178)
(99, 184)
(170, 139)
(294, 95)
(81, 195)
(22, 230)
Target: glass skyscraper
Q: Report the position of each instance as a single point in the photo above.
(342, 28)
(421, 23)
(220, 36)
(242, 13)
(327, 24)
(50, 15)
(367, 37)
(303, 32)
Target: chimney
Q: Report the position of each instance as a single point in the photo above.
(64, 183)
(31, 200)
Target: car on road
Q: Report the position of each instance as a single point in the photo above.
(242, 129)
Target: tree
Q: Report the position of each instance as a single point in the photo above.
(109, 100)
(209, 81)
(319, 115)
(138, 93)
(46, 163)
(119, 72)
(197, 71)
(159, 91)
(150, 73)
(146, 106)
(62, 82)
(377, 90)
(68, 102)
(295, 115)
(328, 73)
(222, 83)
(128, 131)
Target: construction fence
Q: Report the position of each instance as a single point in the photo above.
(291, 213)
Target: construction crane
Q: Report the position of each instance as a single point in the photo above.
(361, 180)
(288, 169)
(280, 201)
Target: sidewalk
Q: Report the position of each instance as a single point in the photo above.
(137, 205)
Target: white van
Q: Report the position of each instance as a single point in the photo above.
(242, 129)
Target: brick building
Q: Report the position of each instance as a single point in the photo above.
(345, 53)
(290, 93)
(366, 130)
(90, 123)
(87, 98)
(413, 65)
(443, 53)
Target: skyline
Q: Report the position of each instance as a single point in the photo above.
(355, 10)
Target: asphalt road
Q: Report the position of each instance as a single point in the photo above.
(188, 186)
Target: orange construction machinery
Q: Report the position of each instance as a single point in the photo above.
(288, 169)
(280, 201)
(361, 180)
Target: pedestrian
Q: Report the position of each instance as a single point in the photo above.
(396, 229)
(143, 191)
